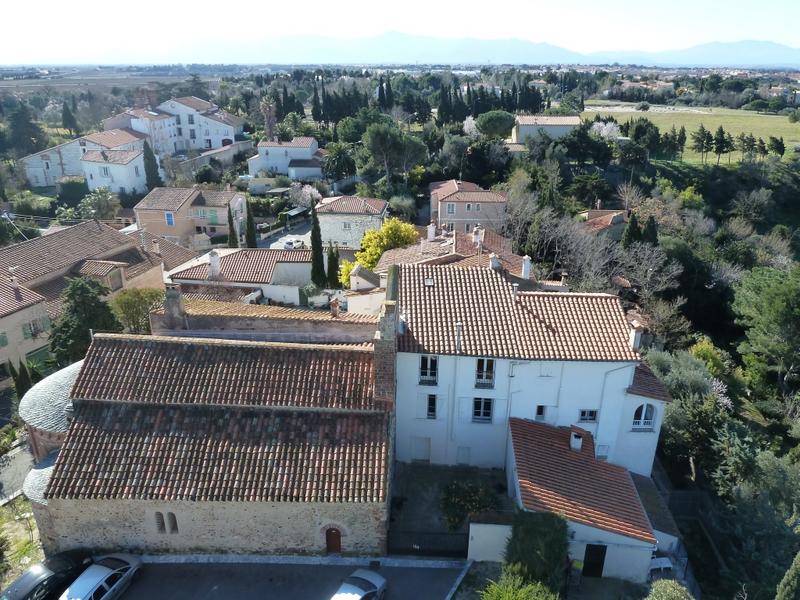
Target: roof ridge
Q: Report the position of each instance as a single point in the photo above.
(168, 339)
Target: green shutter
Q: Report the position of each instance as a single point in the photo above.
(3, 340)
(26, 331)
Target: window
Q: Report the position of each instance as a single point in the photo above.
(191, 119)
(467, 227)
(136, 170)
(170, 219)
(47, 165)
(643, 417)
(180, 131)
(192, 135)
(469, 206)
(173, 522)
(160, 527)
(99, 593)
(208, 143)
(201, 213)
(112, 579)
(484, 373)
(482, 410)
(451, 226)
(540, 412)
(122, 189)
(477, 207)
(177, 120)
(451, 208)
(3, 339)
(206, 132)
(428, 370)
(104, 171)
(588, 416)
(346, 226)
(431, 406)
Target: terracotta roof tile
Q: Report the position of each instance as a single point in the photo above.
(351, 205)
(172, 255)
(194, 102)
(534, 326)
(462, 191)
(200, 307)
(13, 299)
(97, 268)
(111, 157)
(554, 478)
(646, 384)
(114, 138)
(364, 273)
(191, 371)
(198, 453)
(296, 142)
(251, 265)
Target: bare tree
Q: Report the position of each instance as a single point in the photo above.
(631, 195)
(267, 107)
(650, 269)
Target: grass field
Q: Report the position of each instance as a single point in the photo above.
(733, 121)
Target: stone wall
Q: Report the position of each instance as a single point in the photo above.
(43, 442)
(236, 527)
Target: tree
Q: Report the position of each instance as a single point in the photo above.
(632, 233)
(384, 143)
(22, 380)
(333, 267)
(394, 233)
(133, 307)
(720, 143)
(84, 311)
(777, 146)
(233, 236)
(25, 136)
(151, 168)
(250, 228)
(514, 587)
(318, 275)
(702, 142)
(650, 231)
(681, 140)
(789, 587)
(68, 120)
(403, 206)
(316, 107)
(338, 163)
(668, 589)
(101, 204)
(389, 94)
(537, 548)
(496, 123)
(381, 94)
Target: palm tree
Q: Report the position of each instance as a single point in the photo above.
(338, 163)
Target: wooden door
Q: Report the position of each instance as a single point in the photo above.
(333, 541)
(593, 560)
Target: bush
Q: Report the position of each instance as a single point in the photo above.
(207, 174)
(72, 191)
(282, 181)
(462, 498)
(537, 548)
(668, 589)
(514, 587)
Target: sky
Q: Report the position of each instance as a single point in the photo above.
(148, 31)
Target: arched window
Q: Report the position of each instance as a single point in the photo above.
(644, 417)
(160, 523)
(173, 522)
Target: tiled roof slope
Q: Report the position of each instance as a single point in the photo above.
(171, 254)
(60, 250)
(114, 138)
(192, 371)
(295, 142)
(646, 384)
(164, 198)
(554, 478)
(13, 298)
(534, 326)
(462, 191)
(351, 205)
(195, 453)
(251, 265)
(112, 157)
(194, 102)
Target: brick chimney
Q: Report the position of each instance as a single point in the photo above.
(174, 314)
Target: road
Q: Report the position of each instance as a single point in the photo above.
(14, 466)
(277, 582)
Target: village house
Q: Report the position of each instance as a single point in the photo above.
(268, 275)
(191, 216)
(159, 127)
(24, 325)
(200, 124)
(121, 171)
(461, 206)
(274, 448)
(343, 220)
(299, 158)
(554, 127)
(607, 222)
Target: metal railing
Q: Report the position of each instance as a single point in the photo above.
(484, 380)
(428, 376)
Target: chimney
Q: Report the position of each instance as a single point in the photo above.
(526, 267)
(564, 277)
(431, 231)
(515, 287)
(476, 236)
(576, 441)
(14, 282)
(385, 354)
(494, 262)
(174, 314)
(635, 338)
(334, 304)
(459, 330)
(156, 247)
(213, 265)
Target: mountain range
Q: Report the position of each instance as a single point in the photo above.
(402, 48)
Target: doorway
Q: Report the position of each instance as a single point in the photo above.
(333, 541)
(593, 560)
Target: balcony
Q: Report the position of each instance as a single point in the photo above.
(642, 425)
(427, 377)
(484, 381)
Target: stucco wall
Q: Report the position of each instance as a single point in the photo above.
(291, 527)
(18, 346)
(332, 228)
(129, 178)
(487, 214)
(626, 558)
(487, 541)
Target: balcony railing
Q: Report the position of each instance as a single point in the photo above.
(484, 380)
(642, 425)
(427, 377)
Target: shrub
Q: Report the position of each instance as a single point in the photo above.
(462, 498)
(282, 181)
(537, 548)
(514, 587)
(73, 191)
(668, 589)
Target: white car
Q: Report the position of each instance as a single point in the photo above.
(294, 244)
(362, 585)
(105, 579)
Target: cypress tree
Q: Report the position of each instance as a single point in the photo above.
(316, 107)
(250, 228)
(74, 104)
(151, 168)
(443, 114)
(333, 267)
(632, 233)
(68, 120)
(389, 94)
(23, 382)
(381, 94)
(650, 231)
(233, 239)
(789, 587)
(318, 275)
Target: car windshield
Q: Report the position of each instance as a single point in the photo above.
(362, 584)
(26, 582)
(112, 563)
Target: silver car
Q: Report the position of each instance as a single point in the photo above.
(294, 244)
(105, 579)
(362, 585)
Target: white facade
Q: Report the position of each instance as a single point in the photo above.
(554, 127)
(119, 178)
(346, 231)
(196, 130)
(161, 131)
(553, 392)
(276, 158)
(45, 168)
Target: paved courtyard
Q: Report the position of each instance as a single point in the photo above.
(278, 582)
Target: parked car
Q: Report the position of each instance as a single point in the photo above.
(105, 579)
(48, 579)
(294, 244)
(362, 585)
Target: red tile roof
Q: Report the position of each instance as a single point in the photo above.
(111, 157)
(194, 102)
(296, 142)
(214, 308)
(172, 255)
(98, 268)
(606, 221)
(462, 191)
(199, 453)
(646, 384)
(554, 478)
(164, 198)
(351, 205)
(13, 299)
(251, 265)
(224, 117)
(114, 138)
(150, 114)
(534, 326)
(192, 371)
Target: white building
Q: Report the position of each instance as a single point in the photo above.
(474, 352)
(554, 127)
(343, 220)
(122, 171)
(157, 125)
(299, 158)
(200, 125)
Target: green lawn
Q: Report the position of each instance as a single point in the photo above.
(734, 121)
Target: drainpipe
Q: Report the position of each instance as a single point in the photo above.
(603, 397)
